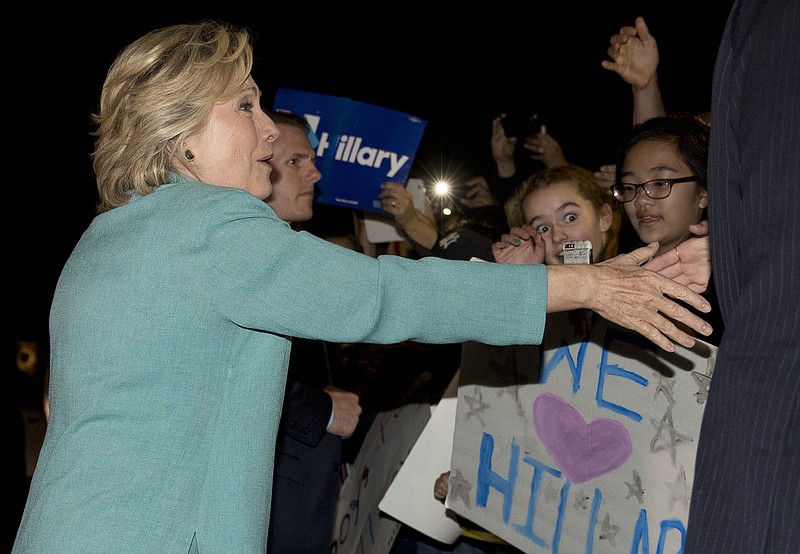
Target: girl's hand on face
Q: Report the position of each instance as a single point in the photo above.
(521, 245)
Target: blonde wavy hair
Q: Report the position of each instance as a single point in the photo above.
(161, 88)
(587, 186)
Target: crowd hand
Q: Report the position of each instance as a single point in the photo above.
(477, 194)
(690, 262)
(606, 176)
(441, 485)
(503, 148)
(621, 291)
(545, 148)
(396, 200)
(346, 411)
(634, 53)
(521, 245)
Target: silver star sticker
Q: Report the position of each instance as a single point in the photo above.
(476, 405)
(675, 436)
(664, 386)
(680, 491)
(635, 488)
(459, 487)
(608, 532)
(703, 382)
(581, 500)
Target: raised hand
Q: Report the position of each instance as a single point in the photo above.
(634, 52)
(545, 148)
(478, 194)
(503, 148)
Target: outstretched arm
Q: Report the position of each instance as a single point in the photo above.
(624, 293)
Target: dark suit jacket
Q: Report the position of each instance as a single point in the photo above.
(307, 458)
(746, 491)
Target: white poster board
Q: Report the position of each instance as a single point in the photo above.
(409, 498)
(582, 446)
(360, 527)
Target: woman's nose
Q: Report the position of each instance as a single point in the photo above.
(559, 234)
(641, 197)
(267, 130)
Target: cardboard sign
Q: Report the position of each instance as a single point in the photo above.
(359, 146)
(580, 445)
(360, 527)
(410, 497)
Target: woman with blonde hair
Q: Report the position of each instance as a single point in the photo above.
(172, 320)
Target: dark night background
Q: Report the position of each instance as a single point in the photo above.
(456, 71)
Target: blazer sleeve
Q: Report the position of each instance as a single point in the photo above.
(306, 412)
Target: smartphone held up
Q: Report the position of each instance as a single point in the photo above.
(523, 124)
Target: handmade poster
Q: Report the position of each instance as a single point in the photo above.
(358, 145)
(582, 445)
(409, 498)
(360, 527)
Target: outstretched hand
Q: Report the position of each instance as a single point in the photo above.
(636, 298)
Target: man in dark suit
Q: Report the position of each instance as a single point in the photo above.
(316, 416)
(746, 492)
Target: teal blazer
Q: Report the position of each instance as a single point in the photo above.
(170, 333)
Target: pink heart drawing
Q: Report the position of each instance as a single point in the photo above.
(582, 452)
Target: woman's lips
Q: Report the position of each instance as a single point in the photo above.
(648, 219)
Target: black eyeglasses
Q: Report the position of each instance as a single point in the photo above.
(655, 189)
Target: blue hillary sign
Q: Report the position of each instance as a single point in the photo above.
(358, 145)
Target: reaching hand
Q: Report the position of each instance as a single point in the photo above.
(631, 296)
(521, 245)
(690, 262)
(346, 411)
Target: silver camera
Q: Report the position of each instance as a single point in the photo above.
(578, 252)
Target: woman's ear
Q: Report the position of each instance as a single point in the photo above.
(606, 217)
(702, 197)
